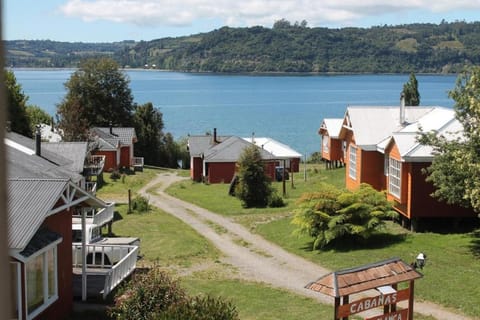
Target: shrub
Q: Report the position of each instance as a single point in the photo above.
(155, 295)
(140, 204)
(115, 175)
(275, 201)
(332, 215)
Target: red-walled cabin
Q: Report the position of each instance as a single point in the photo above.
(213, 158)
(381, 149)
(332, 146)
(116, 144)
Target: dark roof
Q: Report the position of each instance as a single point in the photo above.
(40, 240)
(29, 203)
(125, 135)
(349, 281)
(230, 150)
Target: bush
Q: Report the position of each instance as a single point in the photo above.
(275, 201)
(140, 204)
(331, 214)
(146, 295)
(155, 295)
(115, 175)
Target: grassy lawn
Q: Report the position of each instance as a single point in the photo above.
(450, 276)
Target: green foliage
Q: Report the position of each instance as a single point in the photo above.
(410, 90)
(440, 48)
(332, 215)
(37, 115)
(16, 101)
(456, 167)
(254, 186)
(98, 94)
(155, 295)
(148, 123)
(275, 200)
(140, 204)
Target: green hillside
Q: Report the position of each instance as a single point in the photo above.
(442, 48)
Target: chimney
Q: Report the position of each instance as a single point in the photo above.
(38, 141)
(402, 108)
(111, 129)
(215, 135)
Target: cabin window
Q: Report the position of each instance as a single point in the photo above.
(41, 281)
(394, 180)
(325, 143)
(352, 163)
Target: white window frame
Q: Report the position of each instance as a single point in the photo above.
(325, 143)
(394, 177)
(352, 162)
(386, 165)
(47, 301)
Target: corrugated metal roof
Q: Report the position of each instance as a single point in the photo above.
(126, 135)
(29, 203)
(331, 126)
(350, 281)
(230, 150)
(74, 151)
(278, 149)
(371, 125)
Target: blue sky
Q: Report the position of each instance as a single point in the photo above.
(116, 20)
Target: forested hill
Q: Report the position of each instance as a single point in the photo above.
(446, 47)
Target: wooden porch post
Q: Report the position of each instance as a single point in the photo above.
(337, 304)
(345, 301)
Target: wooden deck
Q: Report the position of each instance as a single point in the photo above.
(95, 283)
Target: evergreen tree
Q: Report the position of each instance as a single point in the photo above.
(254, 186)
(148, 125)
(16, 102)
(410, 90)
(98, 94)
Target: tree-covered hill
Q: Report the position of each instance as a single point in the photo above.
(446, 47)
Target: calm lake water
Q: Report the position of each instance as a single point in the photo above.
(287, 108)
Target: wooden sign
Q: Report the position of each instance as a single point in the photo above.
(397, 315)
(373, 302)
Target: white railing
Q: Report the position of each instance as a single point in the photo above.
(91, 187)
(99, 218)
(137, 162)
(120, 271)
(94, 165)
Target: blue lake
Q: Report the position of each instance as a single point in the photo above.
(287, 108)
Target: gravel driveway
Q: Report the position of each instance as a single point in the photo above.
(259, 260)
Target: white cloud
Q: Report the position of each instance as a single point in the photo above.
(250, 12)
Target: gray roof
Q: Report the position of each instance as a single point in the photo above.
(125, 135)
(198, 145)
(332, 126)
(278, 149)
(26, 165)
(74, 151)
(29, 203)
(230, 150)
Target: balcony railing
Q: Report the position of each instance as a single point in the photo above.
(98, 260)
(91, 187)
(137, 163)
(94, 165)
(99, 218)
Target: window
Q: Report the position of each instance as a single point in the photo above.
(395, 174)
(41, 281)
(325, 143)
(385, 165)
(352, 163)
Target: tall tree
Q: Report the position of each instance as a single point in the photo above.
(455, 170)
(254, 186)
(37, 115)
(410, 90)
(17, 103)
(98, 93)
(148, 124)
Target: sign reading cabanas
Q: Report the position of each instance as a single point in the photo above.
(384, 276)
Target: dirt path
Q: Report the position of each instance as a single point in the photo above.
(255, 258)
